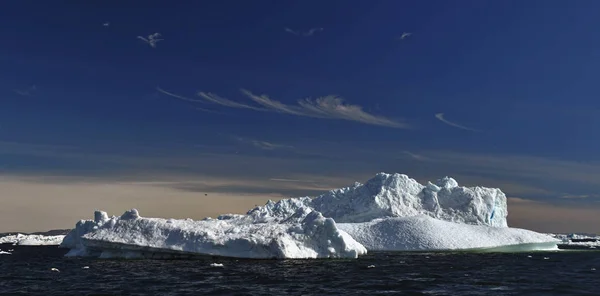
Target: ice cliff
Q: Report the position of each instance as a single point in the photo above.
(397, 195)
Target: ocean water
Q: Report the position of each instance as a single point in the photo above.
(27, 272)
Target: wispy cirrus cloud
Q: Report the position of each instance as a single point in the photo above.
(263, 145)
(152, 39)
(581, 196)
(27, 92)
(415, 156)
(213, 98)
(328, 107)
(440, 116)
(178, 96)
(308, 33)
(268, 146)
(291, 180)
(187, 99)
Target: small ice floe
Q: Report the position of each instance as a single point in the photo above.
(54, 269)
(217, 265)
(529, 256)
(592, 269)
(5, 253)
(371, 266)
(11, 250)
(546, 258)
(85, 267)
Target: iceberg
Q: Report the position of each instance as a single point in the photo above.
(32, 239)
(390, 212)
(575, 241)
(130, 236)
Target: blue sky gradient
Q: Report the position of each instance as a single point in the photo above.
(522, 74)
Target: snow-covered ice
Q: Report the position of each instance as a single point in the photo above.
(389, 212)
(5, 253)
(310, 236)
(32, 240)
(397, 195)
(395, 213)
(420, 233)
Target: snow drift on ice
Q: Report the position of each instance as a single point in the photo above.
(423, 233)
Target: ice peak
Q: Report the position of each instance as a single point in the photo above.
(130, 215)
(446, 182)
(100, 216)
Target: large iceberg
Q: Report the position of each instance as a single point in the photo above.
(391, 212)
(309, 236)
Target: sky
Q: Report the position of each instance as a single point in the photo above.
(234, 103)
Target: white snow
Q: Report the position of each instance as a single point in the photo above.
(32, 240)
(389, 212)
(5, 253)
(310, 236)
(423, 233)
(397, 195)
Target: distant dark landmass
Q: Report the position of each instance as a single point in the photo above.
(46, 233)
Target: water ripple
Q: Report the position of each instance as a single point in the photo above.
(565, 273)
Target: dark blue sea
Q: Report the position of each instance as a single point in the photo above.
(28, 272)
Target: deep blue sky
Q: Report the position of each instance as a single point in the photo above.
(522, 73)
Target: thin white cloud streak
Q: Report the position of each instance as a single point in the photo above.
(187, 99)
(329, 107)
(178, 96)
(26, 93)
(583, 196)
(405, 35)
(415, 156)
(263, 145)
(268, 146)
(291, 180)
(305, 33)
(226, 102)
(151, 40)
(440, 116)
